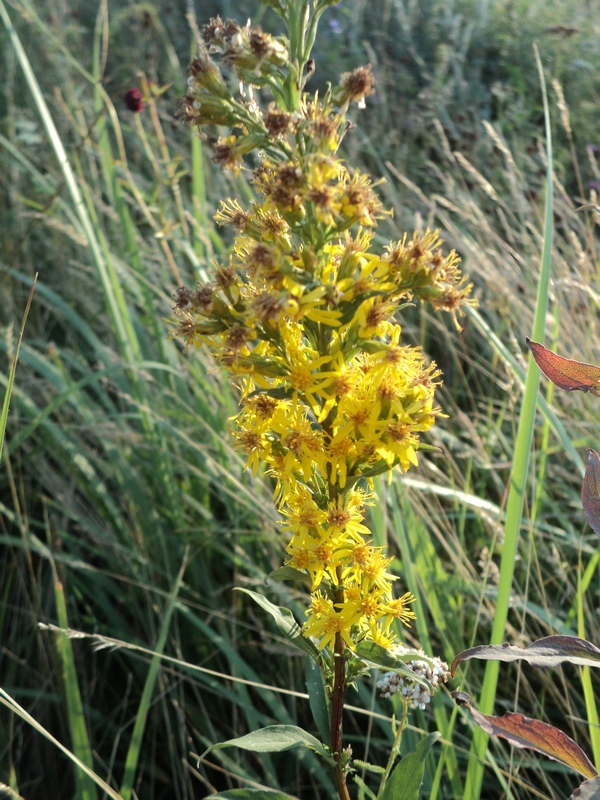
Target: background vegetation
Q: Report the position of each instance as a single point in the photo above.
(124, 511)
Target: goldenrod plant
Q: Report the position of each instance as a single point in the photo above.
(305, 315)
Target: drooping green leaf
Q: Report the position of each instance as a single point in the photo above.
(378, 657)
(543, 653)
(288, 574)
(287, 625)
(319, 704)
(273, 739)
(406, 779)
(590, 491)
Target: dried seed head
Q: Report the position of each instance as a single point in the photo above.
(355, 86)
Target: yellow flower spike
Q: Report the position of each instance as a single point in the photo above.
(304, 312)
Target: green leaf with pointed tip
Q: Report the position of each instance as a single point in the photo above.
(378, 657)
(288, 574)
(287, 625)
(319, 704)
(405, 781)
(274, 739)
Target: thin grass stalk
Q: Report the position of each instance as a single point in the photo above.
(8, 702)
(591, 706)
(135, 746)
(86, 788)
(583, 585)
(544, 441)
(518, 481)
(520, 374)
(198, 194)
(112, 291)
(415, 575)
(12, 371)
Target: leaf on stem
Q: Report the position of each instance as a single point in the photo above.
(377, 657)
(317, 698)
(287, 625)
(526, 733)
(551, 651)
(273, 739)
(564, 372)
(590, 491)
(406, 779)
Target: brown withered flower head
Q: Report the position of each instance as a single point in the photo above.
(355, 86)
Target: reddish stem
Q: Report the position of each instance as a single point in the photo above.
(337, 704)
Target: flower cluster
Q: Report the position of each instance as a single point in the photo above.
(414, 694)
(305, 315)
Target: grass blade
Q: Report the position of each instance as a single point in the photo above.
(8, 702)
(12, 371)
(134, 751)
(77, 725)
(518, 480)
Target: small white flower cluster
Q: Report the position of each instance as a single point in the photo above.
(415, 694)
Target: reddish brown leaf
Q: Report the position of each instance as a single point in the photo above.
(564, 372)
(543, 653)
(524, 732)
(590, 491)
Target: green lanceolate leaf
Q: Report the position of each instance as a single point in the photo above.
(590, 492)
(287, 625)
(273, 739)
(319, 704)
(405, 781)
(288, 574)
(378, 657)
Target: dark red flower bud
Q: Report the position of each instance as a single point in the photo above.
(133, 100)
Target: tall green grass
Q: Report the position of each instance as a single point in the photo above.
(118, 467)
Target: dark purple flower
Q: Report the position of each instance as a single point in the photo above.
(133, 100)
(595, 185)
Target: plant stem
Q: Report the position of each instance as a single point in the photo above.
(395, 751)
(337, 717)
